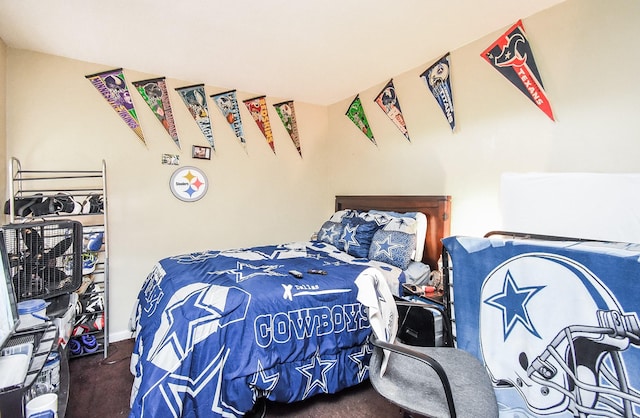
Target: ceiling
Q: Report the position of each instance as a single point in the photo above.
(317, 52)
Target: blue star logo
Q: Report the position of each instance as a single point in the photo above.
(385, 247)
(263, 381)
(358, 358)
(316, 374)
(512, 301)
(329, 233)
(349, 237)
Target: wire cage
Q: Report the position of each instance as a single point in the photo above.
(45, 257)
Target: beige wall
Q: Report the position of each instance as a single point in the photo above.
(3, 118)
(584, 50)
(58, 120)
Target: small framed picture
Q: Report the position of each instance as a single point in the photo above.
(203, 153)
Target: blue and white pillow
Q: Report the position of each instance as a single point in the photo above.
(356, 236)
(395, 243)
(330, 232)
(421, 228)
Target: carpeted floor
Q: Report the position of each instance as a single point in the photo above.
(101, 388)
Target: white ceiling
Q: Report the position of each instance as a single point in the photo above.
(318, 52)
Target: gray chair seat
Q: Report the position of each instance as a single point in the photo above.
(412, 382)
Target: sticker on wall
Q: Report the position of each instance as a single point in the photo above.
(287, 114)
(154, 92)
(438, 80)
(357, 116)
(188, 184)
(196, 102)
(113, 87)
(511, 55)
(228, 105)
(388, 102)
(170, 159)
(258, 109)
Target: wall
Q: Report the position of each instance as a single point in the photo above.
(3, 118)
(583, 49)
(58, 120)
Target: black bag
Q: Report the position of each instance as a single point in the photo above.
(420, 324)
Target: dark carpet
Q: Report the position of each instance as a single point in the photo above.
(101, 387)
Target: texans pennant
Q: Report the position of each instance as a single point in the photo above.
(287, 114)
(258, 109)
(511, 55)
(111, 84)
(154, 92)
(196, 101)
(228, 105)
(438, 81)
(388, 102)
(357, 116)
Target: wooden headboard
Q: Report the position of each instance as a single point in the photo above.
(436, 208)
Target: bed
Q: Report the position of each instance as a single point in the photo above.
(217, 330)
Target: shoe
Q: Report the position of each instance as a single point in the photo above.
(93, 204)
(75, 347)
(22, 205)
(95, 241)
(89, 343)
(89, 262)
(67, 203)
(92, 304)
(48, 206)
(85, 344)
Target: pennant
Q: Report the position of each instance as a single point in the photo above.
(113, 87)
(154, 92)
(258, 109)
(357, 116)
(511, 55)
(228, 105)
(388, 102)
(438, 81)
(287, 115)
(196, 101)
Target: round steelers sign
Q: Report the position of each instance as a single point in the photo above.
(188, 184)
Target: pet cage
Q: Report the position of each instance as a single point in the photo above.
(45, 257)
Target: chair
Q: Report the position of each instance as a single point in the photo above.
(430, 381)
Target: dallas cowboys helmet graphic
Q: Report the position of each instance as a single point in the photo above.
(550, 329)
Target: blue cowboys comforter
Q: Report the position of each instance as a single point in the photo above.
(216, 330)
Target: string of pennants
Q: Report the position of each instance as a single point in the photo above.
(510, 55)
(113, 87)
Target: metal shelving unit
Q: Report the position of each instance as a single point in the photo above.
(86, 188)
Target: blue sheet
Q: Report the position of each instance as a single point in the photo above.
(555, 323)
(216, 330)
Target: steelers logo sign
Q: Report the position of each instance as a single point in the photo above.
(189, 184)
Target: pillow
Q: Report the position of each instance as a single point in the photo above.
(356, 236)
(421, 228)
(379, 218)
(342, 214)
(330, 232)
(395, 243)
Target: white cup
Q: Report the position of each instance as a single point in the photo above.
(43, 406)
